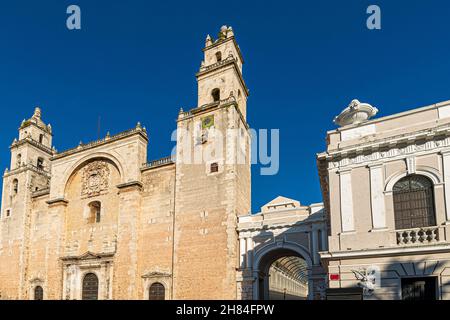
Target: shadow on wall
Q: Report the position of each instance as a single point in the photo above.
(407, 280)
(284, 263)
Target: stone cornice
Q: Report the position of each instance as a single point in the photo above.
(228, 61)
(266, 225)
(156, 275)
(34, 143)
(391, 147)
(393, 251)
(167, 161)
(89, 256)
(130, 184)
(83, 147)
(57, 202)
(40, 193)
(219, 42)
(230, 101)
(26, 167)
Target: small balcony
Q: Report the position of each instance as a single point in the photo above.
(418, 236)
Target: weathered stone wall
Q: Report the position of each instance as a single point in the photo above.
(206, 212)
(156, 229)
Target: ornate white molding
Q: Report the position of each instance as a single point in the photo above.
(394, 152)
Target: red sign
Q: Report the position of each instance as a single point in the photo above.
(334, 277)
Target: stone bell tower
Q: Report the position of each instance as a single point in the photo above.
(212, 176)
(220, 75)
(29, 173)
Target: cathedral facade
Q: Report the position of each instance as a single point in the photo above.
(99, 222)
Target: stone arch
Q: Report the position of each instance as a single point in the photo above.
(96, 156)
(426, 171)
(265, 256)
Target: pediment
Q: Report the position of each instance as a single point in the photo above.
(156, 274)
(89, 256)
(280, 202)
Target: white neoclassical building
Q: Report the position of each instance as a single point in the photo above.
(386, 191)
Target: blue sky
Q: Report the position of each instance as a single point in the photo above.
(135, 61)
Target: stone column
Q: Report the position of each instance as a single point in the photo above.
(377, 200)
(324, 235)
(315, 246)
(249, 252)
(126, 281)
(446, 169)
(347, 219)
(242, 252)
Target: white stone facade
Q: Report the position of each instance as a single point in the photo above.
(365, 175)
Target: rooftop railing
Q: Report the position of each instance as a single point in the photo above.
(160, 162)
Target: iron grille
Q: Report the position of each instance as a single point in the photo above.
(90, 287)
(414, 203)
(157, 292)
(38, 293)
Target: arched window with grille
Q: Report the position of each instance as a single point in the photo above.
(414, 203)
(157, 291)
(90, 287)
(38, 293)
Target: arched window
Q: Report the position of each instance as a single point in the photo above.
(15, 186)
(95, 211)
(219, 56)
(90, 287)
(414, 203)
(157, 292)
(215, 94)
(38, 293)
(41, 138)
(40, 163)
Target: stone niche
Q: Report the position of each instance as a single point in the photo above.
(76, 268)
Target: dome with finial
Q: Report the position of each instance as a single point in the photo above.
(37, 113)
(223, 32)
(36, 119)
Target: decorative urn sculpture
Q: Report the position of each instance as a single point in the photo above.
(355, 113)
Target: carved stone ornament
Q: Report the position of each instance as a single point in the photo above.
(95, 179)
(355, 113)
